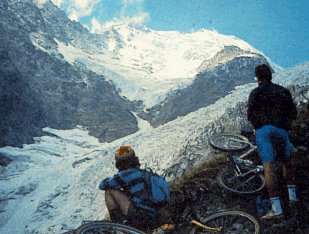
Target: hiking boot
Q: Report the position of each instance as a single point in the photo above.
(271, 214)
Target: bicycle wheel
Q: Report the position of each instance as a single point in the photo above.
(231, 222)
(228, 142)
(100, 227)
(249, 183)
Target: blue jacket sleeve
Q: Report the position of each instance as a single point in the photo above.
(109, 183)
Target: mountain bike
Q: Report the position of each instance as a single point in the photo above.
(241, 176)
(222, 222)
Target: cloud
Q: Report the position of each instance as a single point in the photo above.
(131, 12)
(98, 27)
(82, 8)
(77, 8)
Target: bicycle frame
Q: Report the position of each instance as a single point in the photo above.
(252, 147)
(243, 170)
(241, 176)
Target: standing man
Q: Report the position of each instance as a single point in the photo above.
(271, 111)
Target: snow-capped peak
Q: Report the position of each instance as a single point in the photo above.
(146, 64)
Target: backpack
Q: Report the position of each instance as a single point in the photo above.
(157, 192)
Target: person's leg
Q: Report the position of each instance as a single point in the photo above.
(117, 203)
(271, 182)
(271, 178)
(288, 169)
(289, 174)
(266, 153)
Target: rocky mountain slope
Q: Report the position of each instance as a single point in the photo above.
(51, 186)
(77, 96)
(39, 88)
(64, 76)
(217, 80)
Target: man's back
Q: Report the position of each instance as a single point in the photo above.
(271, 104)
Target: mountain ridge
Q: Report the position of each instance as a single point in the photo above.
(145, 74)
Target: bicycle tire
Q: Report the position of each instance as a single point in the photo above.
(98, 227)
(251, 184)
(224, 142)
(231, 222)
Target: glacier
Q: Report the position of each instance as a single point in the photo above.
(146, 65)
(51, 186)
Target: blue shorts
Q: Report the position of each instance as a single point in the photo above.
(264, 142)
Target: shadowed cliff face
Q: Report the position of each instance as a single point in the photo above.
(20, 108)
(210, 85)
(39, 89)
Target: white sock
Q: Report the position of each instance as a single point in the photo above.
(292, 193)
(276, 205)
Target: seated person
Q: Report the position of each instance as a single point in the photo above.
(123, 193)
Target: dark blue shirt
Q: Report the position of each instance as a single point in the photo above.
(271, 104)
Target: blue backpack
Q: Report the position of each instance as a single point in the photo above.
(157, 191)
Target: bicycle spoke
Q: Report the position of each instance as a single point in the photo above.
(103, 227)
(247, 181)
(238, 225)
(251, 187)
(251, 183)
(237, 184)
(240, 184)
(248, 186)
(233, 223)
(228, 142)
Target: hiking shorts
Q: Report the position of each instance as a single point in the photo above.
(265, 137)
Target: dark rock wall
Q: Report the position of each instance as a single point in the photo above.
(40, 89)
(209, 86)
